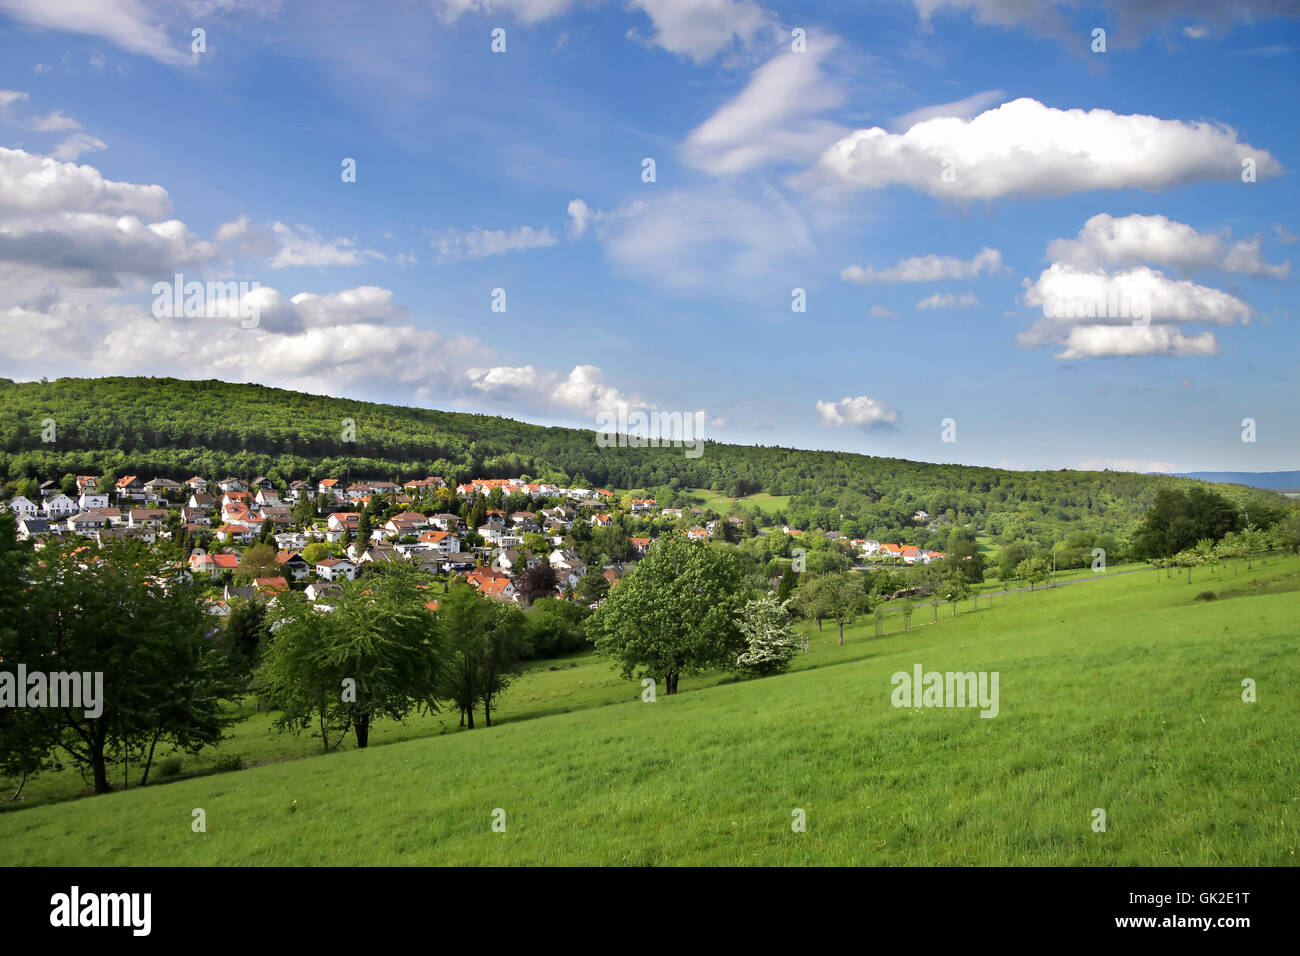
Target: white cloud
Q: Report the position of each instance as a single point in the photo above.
(34, 184)
(129, 24)
(701, 29)
(880, 312)
(53, 122)
(1061, 289)
(862, 411)
(929, 268)
(963, 109)
(1197, 31)
(456, 245)
(948, 300)
(301, 246)
(580, 216)
(1102, 341)
(76, 144)
(1024, 148)
(8, 97)
(1106, 241)
(583, 392)
(773, 119)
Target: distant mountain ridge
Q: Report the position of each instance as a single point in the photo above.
(1267, 480)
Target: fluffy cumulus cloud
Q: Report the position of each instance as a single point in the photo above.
(964, 108)
(583, 391)
(948, 300)
(929, 268)
(862, 411)
(773, 119)
(1071, 294)
(36, 185)
(1024, 148)
(69, 224)
(1107, 241)
(1102, 341)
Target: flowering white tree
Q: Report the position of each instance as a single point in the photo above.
(765, 624)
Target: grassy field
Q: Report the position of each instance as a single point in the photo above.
(1122, 694)
(768, 504)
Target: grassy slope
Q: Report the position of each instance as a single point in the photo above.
(1122, 694)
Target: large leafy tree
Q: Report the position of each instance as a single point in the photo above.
(1176, 520)
(121, 611)
(376, 655)
(674, 614)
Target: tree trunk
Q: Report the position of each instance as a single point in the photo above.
(100, 770)
(841, 633)
(362, 726)
(470, 711)
(819, 624)
(18, 793)
(487, 712)
(144, 781)
(671, 680)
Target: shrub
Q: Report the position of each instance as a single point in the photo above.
(228, 762)
(169, 767)
(1206, 596)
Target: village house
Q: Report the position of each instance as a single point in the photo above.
(129, 488)
(92, 499)
(213, 564)
(231, 484)
(336, 569)
(159, 488)
(293, 564)
(327, 486)
(59, 506)
(29, 528)
(344, 521)
(197, 483)
(22, 507)
(445, 522)
(87, 483)
(408, 522)
(298, 490)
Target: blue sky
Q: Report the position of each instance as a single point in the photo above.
(935, 176)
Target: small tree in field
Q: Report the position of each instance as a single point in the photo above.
(1033, 570)
(765, 625)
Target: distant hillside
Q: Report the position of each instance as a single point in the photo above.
(173, 428)
(1271, 480)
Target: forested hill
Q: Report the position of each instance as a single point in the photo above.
(173, 428)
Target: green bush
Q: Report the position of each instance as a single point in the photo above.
(169, 767)
(227, 762)
(1206, 596)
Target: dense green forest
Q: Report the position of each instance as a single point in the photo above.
(173, 428)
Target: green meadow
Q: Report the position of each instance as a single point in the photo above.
(1123, 694)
